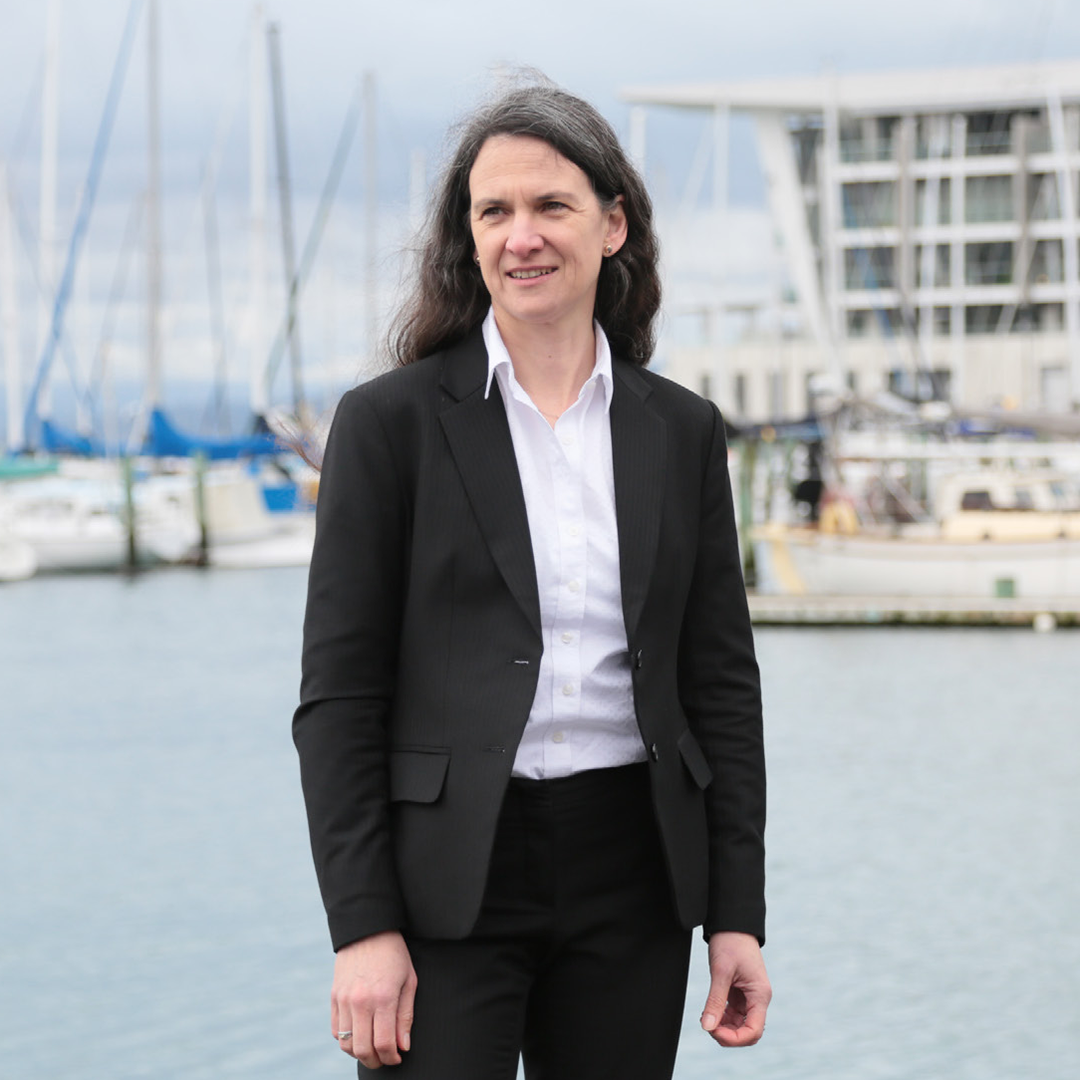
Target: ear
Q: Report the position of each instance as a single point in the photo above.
(615, 234)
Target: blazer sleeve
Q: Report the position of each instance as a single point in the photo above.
(351, 631)
(720, 692)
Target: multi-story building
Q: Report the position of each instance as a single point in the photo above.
(928, 222)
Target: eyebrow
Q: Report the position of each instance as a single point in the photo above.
(547, 196)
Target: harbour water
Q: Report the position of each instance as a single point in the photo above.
(159, 915)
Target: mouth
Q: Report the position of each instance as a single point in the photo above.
(527, 274)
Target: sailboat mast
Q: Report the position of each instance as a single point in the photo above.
(9, 314)
(153, 213)
(288, 244)
(50, 128)
(371, 183)
(259, 397)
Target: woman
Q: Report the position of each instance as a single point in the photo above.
(530, 723)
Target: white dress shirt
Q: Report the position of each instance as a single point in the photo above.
(583, 714)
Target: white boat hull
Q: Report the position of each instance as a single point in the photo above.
(796, 562)
(291, 546)
(17, 560)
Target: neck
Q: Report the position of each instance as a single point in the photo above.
(550, 365)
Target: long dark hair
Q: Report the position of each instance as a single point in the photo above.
(449, 298)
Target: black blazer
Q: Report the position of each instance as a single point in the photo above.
(422, 645)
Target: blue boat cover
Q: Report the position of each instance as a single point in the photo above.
(164, 440)
(56, 440)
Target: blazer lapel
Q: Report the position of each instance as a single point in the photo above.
(479, 436)
(638, 450)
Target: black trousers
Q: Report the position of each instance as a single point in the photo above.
(577, 962)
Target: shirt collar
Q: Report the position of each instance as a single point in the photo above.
(498, 357)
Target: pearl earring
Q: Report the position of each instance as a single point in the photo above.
(607, 249)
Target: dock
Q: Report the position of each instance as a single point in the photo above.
(1040, 613)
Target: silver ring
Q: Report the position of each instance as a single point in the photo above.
(344, 1034)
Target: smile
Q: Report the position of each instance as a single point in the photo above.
(523, 274)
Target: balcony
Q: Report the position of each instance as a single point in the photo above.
(856, 151)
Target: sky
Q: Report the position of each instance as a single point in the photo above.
(431, 60)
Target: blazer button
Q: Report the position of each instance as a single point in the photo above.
(654, 753)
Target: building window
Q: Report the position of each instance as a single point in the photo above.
(870, 268)
(988, 198)
(988, 264)
(1039, 139)
(940, 320)
(863, 322)
(941, 271)
(1048, 318)
(919, 384)
(869, 206)
(1047, 263)
(740, 394)
(1042, 194)
(988, 133)
(858, 322)
(868, 139)
(944, 205)
(927, 146)
(981, 318)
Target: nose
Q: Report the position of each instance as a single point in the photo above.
(523, 239)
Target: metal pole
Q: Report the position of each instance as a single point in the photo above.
(9, 314)
(153, 214)
(259, 398)
(127, 473)
(203, 556)
(721, 144)
(371, 204)
(50, 126)
(1067, 196)
(747, 468)
(288, 246)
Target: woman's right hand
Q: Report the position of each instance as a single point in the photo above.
(371, 1003)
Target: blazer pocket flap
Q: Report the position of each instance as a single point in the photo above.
(417, 775)
(694, 759)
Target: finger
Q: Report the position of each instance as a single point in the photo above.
(744, 1030)
(334, 1028)
(716, 1003)
(362, 1046)
(385, 1035)
(343, 1025)
(405, 1013)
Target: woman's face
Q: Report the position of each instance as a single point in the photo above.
(540, 233)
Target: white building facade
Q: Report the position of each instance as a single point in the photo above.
(928, 222)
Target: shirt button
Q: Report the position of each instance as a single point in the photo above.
(568, 689)
(567, 637)
(574, 586)
(574, 530)
(566, 440)
(558, 737)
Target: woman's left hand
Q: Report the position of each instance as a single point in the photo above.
(740, 992)
(371, 1002)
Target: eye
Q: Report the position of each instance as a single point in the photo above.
(490, 212)
(553, 204)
